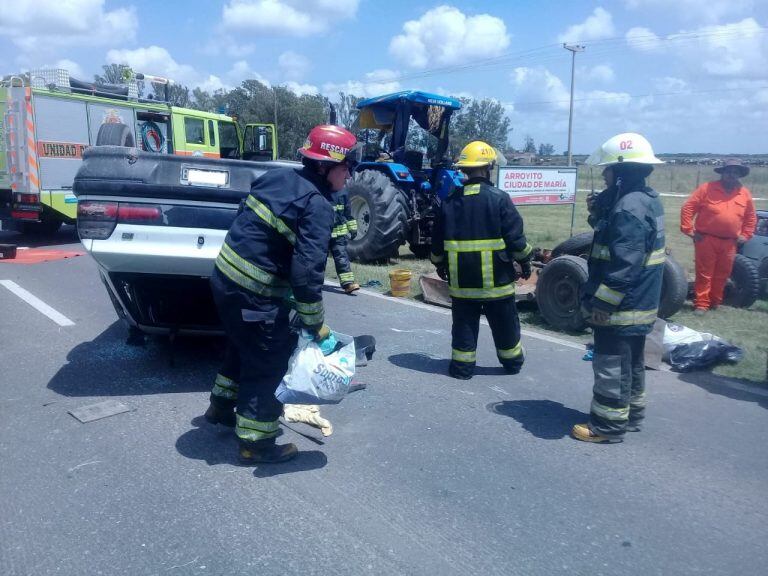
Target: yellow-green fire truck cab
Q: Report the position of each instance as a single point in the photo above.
(46, 127)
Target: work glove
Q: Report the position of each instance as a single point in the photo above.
(353, 234)
(442, 271)
(308, 414)
(525, 269)
(316, 333)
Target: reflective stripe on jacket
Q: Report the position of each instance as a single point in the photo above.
(278, 243)
(343, 223)
(626, 263)
(477, 235)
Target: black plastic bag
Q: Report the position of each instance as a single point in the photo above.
(703, 354)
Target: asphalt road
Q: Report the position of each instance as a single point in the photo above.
(423, 475)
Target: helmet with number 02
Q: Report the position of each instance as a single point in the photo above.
(625, 147)
(328, 143)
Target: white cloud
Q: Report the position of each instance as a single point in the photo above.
(674, 118)
(375, 83)
(157, 61)
(293, 65)
(539, 88)
(739, 49)
(445, 35)
(711, 11)
(301, 89)
(289, 17)
(241, 71)
(600, 73)
(73, 68)
(597, 26)
(643, 39)
(45, 25)
(669, 84)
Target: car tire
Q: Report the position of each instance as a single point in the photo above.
(558, 292)
(578, 245)
(674, 284)
(115, 134)
(762, 273)
(743, 287)
(674, 288)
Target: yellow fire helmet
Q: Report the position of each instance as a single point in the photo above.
(626, 147)
(476, 154)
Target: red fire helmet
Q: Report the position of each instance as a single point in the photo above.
(328, 143)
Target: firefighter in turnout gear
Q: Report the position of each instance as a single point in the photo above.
(621, 295)
(343, 225)
(275, 253)
(477, 238)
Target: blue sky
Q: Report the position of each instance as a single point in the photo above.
(690, 75)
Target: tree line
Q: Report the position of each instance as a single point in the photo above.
(294, 115)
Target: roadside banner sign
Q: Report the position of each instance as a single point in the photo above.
(532, 185)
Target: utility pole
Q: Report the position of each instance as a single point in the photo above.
(274, 92)
(573, 48)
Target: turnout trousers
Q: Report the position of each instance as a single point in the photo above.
(505, 328)
(341, 260)
(260, 343)
(714, 262)
(618, 396)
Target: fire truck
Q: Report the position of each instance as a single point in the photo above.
(49, 118)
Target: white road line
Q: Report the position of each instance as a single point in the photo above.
(446, 312)
(37, 304)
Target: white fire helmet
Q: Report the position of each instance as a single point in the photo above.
(626, 147)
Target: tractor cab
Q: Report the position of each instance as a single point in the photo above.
(391, 115)
(393, 195)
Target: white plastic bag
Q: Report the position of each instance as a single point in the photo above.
(313, 378)
(676, 334)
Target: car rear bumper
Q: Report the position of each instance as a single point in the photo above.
(158, 277)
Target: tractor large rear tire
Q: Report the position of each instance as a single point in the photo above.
(558, 292)
(381, 212)
(743, 286)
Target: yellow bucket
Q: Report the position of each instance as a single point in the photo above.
(400, 282)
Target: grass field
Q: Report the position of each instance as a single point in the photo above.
(547, 226)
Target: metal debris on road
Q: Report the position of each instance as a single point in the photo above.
(99, 410)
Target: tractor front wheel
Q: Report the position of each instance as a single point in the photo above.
(381, 213)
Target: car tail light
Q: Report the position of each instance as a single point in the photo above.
(27, 198)
(139, 214)
(25, 214)
(96, 220)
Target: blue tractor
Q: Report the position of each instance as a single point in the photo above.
(392, 195)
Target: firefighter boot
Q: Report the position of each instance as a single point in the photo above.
(351, 287)
(584, 433)
(216, 415)
(266, 452)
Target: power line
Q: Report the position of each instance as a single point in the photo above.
(552, 52)
(614, 96)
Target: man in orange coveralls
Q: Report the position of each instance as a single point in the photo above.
(724, 215)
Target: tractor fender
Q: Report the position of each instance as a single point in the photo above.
(398, 173)
(448, 181)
